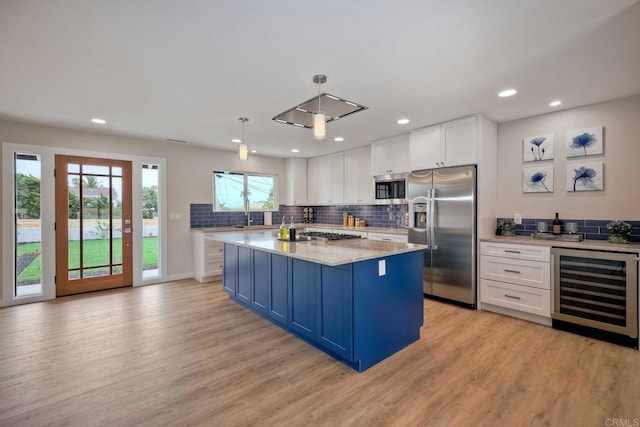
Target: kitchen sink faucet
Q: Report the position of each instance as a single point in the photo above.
(247, 211)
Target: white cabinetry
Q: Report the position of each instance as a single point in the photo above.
(515, 280)
(330, 178)
(398, 238)
(312, 181)
(296, 182)
(448, 144)
(358, 181)
(390, 156)
(207, 257)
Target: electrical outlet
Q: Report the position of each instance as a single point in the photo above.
(517, 218)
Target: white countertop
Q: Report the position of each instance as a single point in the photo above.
(384, 230)
(600, 245)
(321, 252)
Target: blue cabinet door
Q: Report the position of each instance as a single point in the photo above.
(243, 289)
(261, 268)
(335, 310)
(303, 277)
(278, 289)
(230, 270)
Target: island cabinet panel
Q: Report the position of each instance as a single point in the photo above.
(243, 289)
(261, 266)
(278, 289)
(389, 309)
(230, 270)
(335, 310)
(303, 277)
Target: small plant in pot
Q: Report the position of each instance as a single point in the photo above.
(619, 231)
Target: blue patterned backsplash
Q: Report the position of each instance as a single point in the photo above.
(595, 229)
(391, 216)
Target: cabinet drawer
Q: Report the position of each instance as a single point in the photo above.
(521, 298)
(399, 238)
(516, 271)
(533, 253)
(213, 267)
(211, 245)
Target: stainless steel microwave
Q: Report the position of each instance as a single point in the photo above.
(390, 189)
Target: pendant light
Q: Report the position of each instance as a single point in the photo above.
(243, 148)
(319, 119)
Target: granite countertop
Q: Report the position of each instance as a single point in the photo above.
(302, 226)
(600, 245)
(322, 252)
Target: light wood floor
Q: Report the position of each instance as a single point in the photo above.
(182, 353)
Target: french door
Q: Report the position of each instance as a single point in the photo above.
(93, 224)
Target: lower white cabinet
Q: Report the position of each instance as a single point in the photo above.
(515, 280)
(399, 238)
(207, 258)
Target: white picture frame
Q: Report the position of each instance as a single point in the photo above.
(585, 142)
(537, 180)
(585, 177)
(537, 148)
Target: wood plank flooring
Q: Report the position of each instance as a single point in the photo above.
(182, 353)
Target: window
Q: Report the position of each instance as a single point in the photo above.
(232, 189)
(28, 235)
(150, 221)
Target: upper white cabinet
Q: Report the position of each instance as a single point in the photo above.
(330, 178)
(448, 144)
(390, 156)
(296, 182)
(312, 181)
(358, 181)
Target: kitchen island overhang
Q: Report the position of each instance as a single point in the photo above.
(358, 300)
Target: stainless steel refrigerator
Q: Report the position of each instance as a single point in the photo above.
(442, 215)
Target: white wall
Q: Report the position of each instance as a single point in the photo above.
(621, 196)
(188, 173)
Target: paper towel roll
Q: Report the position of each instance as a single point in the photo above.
(267, 218)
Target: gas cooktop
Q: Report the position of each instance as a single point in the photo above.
(321, 235)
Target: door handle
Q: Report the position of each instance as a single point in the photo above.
(511, 271)
(511, 296)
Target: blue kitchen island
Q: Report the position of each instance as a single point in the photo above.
(358, 300)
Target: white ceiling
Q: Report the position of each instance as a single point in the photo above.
(189, 69)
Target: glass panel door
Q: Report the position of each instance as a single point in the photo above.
(93, 224)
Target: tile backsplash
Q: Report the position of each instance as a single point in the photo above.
(591, 228)
(392, 216)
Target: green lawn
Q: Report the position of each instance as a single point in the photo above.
(96, 252)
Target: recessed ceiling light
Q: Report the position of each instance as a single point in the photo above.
(236, 140)
(506, 93)
(99, 121)
(253, 151)
(338, 139)
(295, 150)
(555, 103)
(403, 121)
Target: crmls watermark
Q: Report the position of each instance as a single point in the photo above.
(622, 422)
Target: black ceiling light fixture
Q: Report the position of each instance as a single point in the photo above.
(317, 111)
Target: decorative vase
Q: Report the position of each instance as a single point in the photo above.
(618, 238)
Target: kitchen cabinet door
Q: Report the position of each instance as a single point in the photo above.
(261, 266)
(278, 289)
(296, 182)
(330, 178)
(459, 142)
(302, 297)
(335, 310)
(312, 181)
(425, 148)
(390, 156)
(230, 273)
(358, 181)
(243, 288)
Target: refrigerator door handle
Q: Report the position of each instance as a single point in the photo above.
(432, 227)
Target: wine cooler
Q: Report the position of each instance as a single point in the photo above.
(595, 293)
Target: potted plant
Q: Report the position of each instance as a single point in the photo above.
(618, 231)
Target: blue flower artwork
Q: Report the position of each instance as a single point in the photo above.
(536, 148)
(584, 142)
(585, 177)
(538, 180)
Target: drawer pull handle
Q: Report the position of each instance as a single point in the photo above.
(511, 252)
(512, 296)
(511, 271)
